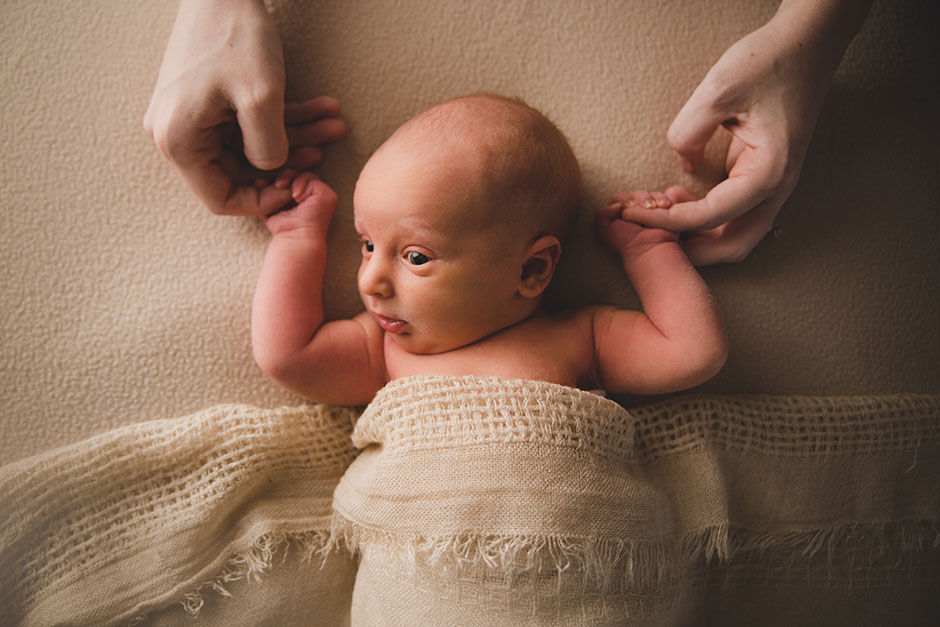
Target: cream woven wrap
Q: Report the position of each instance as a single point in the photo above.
(492, 502)
(480, 501)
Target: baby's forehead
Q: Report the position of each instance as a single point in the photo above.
(478, 120)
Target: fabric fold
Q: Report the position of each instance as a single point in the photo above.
(537, 500)
(107, 530)
(469, 500)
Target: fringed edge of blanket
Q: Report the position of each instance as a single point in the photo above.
(605, 565)
(839, 556)
(251, 563)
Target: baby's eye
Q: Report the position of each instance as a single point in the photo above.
(369, 246)
(417, 259)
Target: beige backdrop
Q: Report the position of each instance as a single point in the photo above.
(124, 300)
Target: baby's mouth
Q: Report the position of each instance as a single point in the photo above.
(391, 325)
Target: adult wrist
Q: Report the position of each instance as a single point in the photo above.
(827, 27)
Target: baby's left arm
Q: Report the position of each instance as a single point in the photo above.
(678, 340)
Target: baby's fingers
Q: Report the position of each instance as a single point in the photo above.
(641, 199)
(610, 212)
(284, 178)
(677, 194)
(300, 187)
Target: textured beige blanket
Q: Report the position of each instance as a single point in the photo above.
(152, 515)
(488, 501)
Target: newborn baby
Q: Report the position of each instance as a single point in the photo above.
(462, 214)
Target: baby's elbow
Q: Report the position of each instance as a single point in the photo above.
(276, 365)
(711, 357)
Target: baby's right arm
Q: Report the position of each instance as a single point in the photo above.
(338, 362)
(678, 340)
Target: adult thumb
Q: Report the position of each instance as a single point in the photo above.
(264, 137)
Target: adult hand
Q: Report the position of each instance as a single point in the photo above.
(218, 113)
(767, 90)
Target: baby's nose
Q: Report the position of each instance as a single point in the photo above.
(373, 279)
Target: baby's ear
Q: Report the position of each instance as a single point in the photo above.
(539, 266)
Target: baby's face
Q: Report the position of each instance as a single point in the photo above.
(437, 273)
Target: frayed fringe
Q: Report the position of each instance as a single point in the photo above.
(253, 562)
(601, 564)
(843, 552)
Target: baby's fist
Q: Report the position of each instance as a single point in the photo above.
(632, 238)
(313, 206)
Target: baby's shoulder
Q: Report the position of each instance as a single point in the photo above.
(578, 319)
(578, 329)
(566, 329)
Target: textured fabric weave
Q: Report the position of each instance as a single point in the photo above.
(108, 529)
(480, 501)
(530, 503)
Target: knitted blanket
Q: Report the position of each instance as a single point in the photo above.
(110, 529)
(488, 501)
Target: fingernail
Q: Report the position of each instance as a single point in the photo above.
(614, 205)
(630, 203)
(282, 181)
(306, 192)
(664, 203)
(649, 203)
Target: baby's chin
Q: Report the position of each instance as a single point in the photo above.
(420, 344)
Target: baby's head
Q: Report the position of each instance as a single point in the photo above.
(462, 213)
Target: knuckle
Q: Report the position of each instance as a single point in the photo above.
(169, 136)
(170, 144)
(259, 100)
(217, 209)
(162, 139)
(789, 178)
(738, 251)
(674, 136)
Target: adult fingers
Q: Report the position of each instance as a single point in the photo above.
(734, 240)
(677, 194)
(316, 133)
(214, 186)
(304, 158)
(312, 109)
(753, 179)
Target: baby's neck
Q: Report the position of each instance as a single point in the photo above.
(538, 348)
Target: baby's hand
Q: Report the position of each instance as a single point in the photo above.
(631, 238)
(313, 205)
